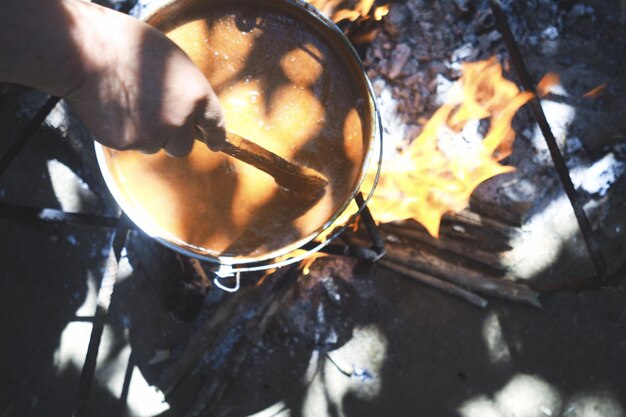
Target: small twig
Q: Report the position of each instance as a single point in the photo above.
(457, 274)
(425, 262)
(469, 217)
(506, 215)
(445, 243)
(484, 233)
(299, 179)
(437, 283)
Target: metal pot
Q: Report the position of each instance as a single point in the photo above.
(290, 51)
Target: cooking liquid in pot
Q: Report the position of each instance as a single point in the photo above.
(283, 83)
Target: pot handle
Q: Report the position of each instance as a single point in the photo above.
(221, 286)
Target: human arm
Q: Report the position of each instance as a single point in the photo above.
(131, 86)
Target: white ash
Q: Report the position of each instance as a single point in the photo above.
(392, 124)
(550, 33)
(443, 89)
(60, 118)
(560, 116)
(522, 190)
(464, 53)
(598, 178)
(539, 245)
(362, 357)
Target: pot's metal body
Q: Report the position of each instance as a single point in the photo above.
(161, 11)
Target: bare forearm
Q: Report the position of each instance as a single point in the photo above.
(131, 86)
(37, 45)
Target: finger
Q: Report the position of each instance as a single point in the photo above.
(212, 134)
(180, 145)
(149, 148)
(211, 124)
(204, 135)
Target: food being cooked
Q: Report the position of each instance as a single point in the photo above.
(284, 83)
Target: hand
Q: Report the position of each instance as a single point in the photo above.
(135, 89)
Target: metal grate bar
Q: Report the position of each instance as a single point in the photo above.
(18, 212)
(30, 130)
(102, 310)
(372, 254)
(370, 224)
(127, 378)
(557, 158)
(83, 319)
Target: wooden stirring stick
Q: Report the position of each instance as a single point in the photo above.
(301, 180)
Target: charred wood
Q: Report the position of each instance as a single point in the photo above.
(425, 262)
(252, 331)
(445, 243)
(434, 282)
(422, 261)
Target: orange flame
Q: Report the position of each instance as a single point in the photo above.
(546, 84)
(439, 170)
(304, 265)
(361, 11)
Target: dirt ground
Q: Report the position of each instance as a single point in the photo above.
(386, 346)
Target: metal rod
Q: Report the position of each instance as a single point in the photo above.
(130, 367)
(83, 319)
(27, 133)
(18, 212)
(557, 158)
(352, 251)
(370, 225)
(102, 310)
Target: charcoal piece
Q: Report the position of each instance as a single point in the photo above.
(397, 19)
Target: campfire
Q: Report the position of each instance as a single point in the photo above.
(434, 174)
(437, 172)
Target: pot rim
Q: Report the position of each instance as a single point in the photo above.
(233, 264)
